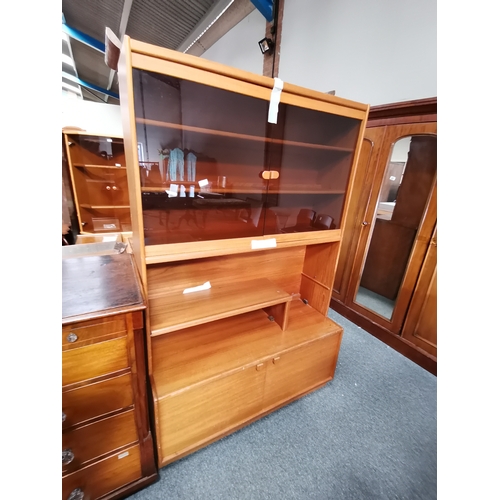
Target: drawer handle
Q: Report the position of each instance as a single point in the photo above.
(276, 360)
(63, 416)
(115, 188)
(108, 188)
(76, 494)
(72, 337)
(67, 456)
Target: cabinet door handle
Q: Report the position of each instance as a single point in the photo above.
(76, 494)
(364, 223)
(72, 337)
(115, 188)
(270, 174)
(63, 416)
(276, 360)
(67, 456)
(259, 367)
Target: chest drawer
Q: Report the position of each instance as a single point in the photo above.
(89, 442)
(81, 334)
(84, 363)
(104, 476)
(93, 400)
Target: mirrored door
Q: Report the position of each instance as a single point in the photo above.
(397, 225)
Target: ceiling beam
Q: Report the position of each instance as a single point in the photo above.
(211, 16)
(90, 85)
(82, 37)
(127, 7)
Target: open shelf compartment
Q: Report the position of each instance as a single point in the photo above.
(175, 311)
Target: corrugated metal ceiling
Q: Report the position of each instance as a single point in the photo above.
(159, 22)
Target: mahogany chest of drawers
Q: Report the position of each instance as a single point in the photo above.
(107, 446)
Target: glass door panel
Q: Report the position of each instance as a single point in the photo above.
(408, 181)
(314, 151)
(202, 154)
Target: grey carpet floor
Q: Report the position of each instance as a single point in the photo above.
(370, 433)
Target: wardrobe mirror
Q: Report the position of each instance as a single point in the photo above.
(401, 204)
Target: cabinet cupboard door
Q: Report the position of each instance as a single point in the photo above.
(295, 372)
(194, 416)
(420, 327)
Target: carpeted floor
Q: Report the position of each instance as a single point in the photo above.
(368, 434)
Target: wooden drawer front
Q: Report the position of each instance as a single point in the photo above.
(84, 363)
(81, 334)
(194, 416)
(297, 371)
(94, 400)
(105, 476)
(99, 438)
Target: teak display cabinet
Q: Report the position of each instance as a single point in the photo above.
(99, 181)
(236, 228)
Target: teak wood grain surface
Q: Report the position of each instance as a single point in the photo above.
(107, 444)
(100, 285)
(216, 360)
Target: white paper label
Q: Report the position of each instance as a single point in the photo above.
(205, 286)
(269, 243)
(272, 116)
(109, 238)
(203, 183)
(123, 455)
(109, 226)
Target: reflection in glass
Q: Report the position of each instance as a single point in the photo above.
(212, 167)
(403, 196)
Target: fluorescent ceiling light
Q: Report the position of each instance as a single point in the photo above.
(205, 24)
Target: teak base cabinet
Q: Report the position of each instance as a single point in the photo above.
(107, 444)
(236, 227)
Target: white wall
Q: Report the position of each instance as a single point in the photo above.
(374, 52)
(96, 117)
(239, 47)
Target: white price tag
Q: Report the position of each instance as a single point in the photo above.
(272, 116)
(205, 286)
(203, 183)
(268, 243)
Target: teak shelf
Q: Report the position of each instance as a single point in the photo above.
(173, 312)
(259, 337)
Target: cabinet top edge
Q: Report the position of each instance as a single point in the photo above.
(147, 49)
(68, 131)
